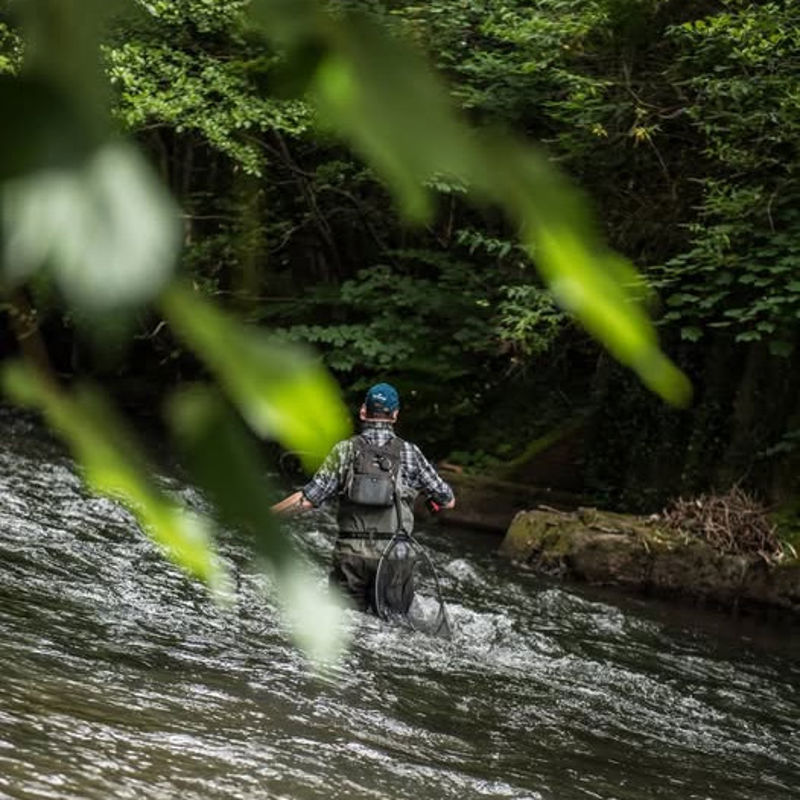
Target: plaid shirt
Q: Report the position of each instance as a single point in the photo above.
(416, 472)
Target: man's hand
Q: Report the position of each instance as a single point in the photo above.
(292, 504)
(435, 507)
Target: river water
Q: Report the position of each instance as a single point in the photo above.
(120, 678)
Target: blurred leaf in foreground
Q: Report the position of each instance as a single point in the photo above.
(598, 286)
(379, 94)
(281, 390)
(106, 228)
(88, 208)
(113, 466)
(386, 102)
(225, 462)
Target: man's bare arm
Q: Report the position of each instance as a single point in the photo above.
(291, 504)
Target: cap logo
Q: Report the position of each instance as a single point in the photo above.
(382, 398)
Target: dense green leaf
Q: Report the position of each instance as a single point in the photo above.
(691, 333)
(203, 93)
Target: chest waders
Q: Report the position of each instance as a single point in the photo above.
(376, 505)
(395, 576)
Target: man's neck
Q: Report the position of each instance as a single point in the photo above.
(372, 422)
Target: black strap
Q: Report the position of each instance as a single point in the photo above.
(393, 445)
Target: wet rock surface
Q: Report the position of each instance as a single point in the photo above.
(634, 552)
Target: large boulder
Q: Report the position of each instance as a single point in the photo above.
(636, 552)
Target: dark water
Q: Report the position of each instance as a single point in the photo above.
(121, 679)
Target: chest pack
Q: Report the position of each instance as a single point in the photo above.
(375, 472)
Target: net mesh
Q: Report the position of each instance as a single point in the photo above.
(407, 590)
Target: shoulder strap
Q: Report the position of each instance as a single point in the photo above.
(364, 451)
(360, 445)
(394, 445)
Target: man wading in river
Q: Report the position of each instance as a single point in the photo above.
(376, 476)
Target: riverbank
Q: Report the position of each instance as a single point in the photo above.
(642, 555)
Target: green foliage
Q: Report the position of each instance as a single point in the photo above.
(10, 49)
(201, 16)
(424, 324)
(431, 313)
(528, 320)
(752, 297)
(363, 65)
(212, 95)
(740, 275)
(478, 241)
(540, 66)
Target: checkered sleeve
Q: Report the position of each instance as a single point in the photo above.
(425, 478)
(331, 477)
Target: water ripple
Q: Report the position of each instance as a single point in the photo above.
(122, 679)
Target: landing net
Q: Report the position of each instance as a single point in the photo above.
(407, 589)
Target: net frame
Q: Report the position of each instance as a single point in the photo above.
(445, 626)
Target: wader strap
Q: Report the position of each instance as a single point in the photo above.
(371, 535)
(398, 509)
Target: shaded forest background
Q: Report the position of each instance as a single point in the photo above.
(679, 121)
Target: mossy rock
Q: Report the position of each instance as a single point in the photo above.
(607, 548)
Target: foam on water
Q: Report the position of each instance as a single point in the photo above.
(123, 679)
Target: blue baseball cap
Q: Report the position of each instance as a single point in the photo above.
(382, 398)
